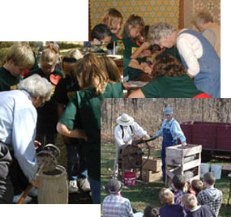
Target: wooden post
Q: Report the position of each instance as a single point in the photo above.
(181, 14)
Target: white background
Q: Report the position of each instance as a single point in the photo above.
(44, 20)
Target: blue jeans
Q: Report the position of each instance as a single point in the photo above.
(95, 190)
(76, 163)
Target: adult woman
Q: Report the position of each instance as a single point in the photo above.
(197, 54)
(18, 118)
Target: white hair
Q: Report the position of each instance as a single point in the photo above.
(37, 86)
(159, 31)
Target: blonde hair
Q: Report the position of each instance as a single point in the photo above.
(90, 73)
(111, 68)
(134, 21)
(21, 54)
(50, 54)
(189, 201)
(166, 196)
(159, 31)
(74, 53)
(110, 16)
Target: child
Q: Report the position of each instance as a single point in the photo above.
(84, 109)
(169, 208)
(101, 34)
(179, 183)
(193, 210)
(48, 115)
(114, 20)
(76, 163)
(132, 31)
(150, 211)
(19, 58)
(210, 30)
(169, 81)
(196, 186)
(211, 196)
(140, 66)
(112, 69)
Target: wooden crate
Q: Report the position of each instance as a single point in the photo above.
(150, 176)
(153, 165)
(184, 160)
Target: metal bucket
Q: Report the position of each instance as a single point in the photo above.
(204, 168)
(53, 187)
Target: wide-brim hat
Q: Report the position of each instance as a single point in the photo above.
(114, 186)
(125, 120)
(168, 111)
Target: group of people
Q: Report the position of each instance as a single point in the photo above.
(173, 63)
(185, 197)
(127, 131)
(70, 104)
(196, 199)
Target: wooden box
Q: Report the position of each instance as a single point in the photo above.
(150, 176)
(153, 165)
(184, 160)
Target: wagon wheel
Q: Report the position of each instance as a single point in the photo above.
(132, 155)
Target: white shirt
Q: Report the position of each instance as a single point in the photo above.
(127, 135)
(18, 119)
(190, 48)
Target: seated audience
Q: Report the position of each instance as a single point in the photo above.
(195, 210)
(210, 196)
(169, 208)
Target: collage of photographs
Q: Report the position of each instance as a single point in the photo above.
(131, 120)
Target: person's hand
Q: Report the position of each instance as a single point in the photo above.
(145, 45)
(145, 137)
(37, 144)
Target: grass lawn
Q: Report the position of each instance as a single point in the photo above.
(143, 194)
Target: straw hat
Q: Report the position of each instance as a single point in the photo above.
(168, 111)
(114, 186)
(125, 120)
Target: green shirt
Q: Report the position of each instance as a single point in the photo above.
(173, 52)
(85, 107)
(7, 80)
(129, 46)
(170, 87)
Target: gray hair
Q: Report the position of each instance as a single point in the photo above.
(202, 17)
(158, 31)
(37, 86)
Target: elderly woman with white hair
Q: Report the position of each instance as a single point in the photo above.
(197, 54)
(171, 132)
(18, 117)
